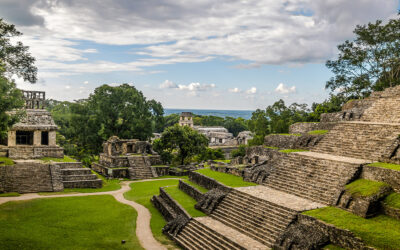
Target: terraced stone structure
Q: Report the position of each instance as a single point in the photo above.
(269, 215)
(123, 158)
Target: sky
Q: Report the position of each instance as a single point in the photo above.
(190, 54)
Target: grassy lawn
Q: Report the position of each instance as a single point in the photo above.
(7, 161)
(287, 151)
(141, 193)
(385, 165)
(318, 132)
(93, 222)
(224, 161)
(11, 194)
(382, 232)
(186, 201)
(226, 179)
(393, 200)
(362, 187)
(65, 159)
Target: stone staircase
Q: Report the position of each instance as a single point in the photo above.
(363, 140)
(74, 175)
(139, 168)
(313, 176)
(257, 218)
(197, 236)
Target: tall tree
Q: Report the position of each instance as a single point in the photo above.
(370, 62)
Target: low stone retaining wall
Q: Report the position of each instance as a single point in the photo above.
(391, 177)
(31, 177)
(110, 172)
(304, 141)
(190, 190)
(390, 211)
(305, 127)
(229, 170)
(207, 182)
(161, 171)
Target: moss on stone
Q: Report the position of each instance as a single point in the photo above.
(364, 187)
(6, 161)
(318, 132)
(65, 159)
(385, 165)
(287, 151)
(276, 148)
(393, 200)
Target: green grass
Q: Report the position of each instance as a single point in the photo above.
(226, 179)
(11, 194)
(141, 193)
(224, 161)
(200, 188)
(7, 161)
(382, 232)
(65, 159)
(185, 200)
(276, 148)
(332, 247)
(287, 134)
(318, 132)
(362, 187)
(385, 165)
(292, 150)
(92, 222)
(393, 200)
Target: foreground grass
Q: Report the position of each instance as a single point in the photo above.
(226, 179)
(11, 194)
(393, 200)
(385, 165)
(318, 132)
(65, 159)
(141, 193)
(6, 161)
(382, 232)
(185, 200)
(362, 187)
(92, 222)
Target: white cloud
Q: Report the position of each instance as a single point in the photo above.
(67, 87)
(195, 86)
(86, 82)
(283, 89)
(167, 84)
(251, 91)
(234, 90)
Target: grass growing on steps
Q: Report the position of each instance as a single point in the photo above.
(200, 188)
(6, 161)
(92, 222)
(382, 232)
(65, 159)
(226, 179)
(287, 151)
(318, 132)
(385, 165)
(186, 201)
(11, 194)
(393, 200)
(362, 187)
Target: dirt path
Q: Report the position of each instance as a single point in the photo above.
(143, 231)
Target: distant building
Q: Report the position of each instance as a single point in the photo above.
(186, 119)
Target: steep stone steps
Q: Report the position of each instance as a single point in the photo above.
(313, 176)
(139, 168)
(363, 140)
(79, 177)
(74, 175)
(259, 219)
(385, 110)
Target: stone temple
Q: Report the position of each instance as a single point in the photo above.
(34, 136)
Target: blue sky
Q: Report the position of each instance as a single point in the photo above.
(200, 54)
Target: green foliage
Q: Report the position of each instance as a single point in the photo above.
(65, 159)
(210, 154)
(234, 125)
(363, 187)
(288, 151)
(185, 200)
(240, 151)
(11, 194)
(385, 165)
(318, 132)
(370, 62)
(14, 56)
(226, 179)
(185, 140)
(259, 125)
(92, 222)
(224, 161)
(7, 161)
(393, 200)
(170, 120)
(381, 232)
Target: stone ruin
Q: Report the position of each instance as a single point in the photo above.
(269, 215)
(127, 158)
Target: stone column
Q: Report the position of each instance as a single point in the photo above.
(52, 138)
(12, 138)
(37, 138)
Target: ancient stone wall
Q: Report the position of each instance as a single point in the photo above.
(304, 141)
(161, 171)
(31, 152)
(30, 177)
(389, 176)
(305, 127)
(207, 182)
(190, 190)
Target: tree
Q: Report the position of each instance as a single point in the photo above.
(259, 125)
(370, 62)
(235, 126)
(187, 141)
(15, 58)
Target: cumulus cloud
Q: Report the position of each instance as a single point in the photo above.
(251, 91)
(283, 89)
(167, 84)
(234, 90)
(196, 86)
(86, 82)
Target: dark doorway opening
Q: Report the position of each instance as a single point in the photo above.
(24, 138)
(45, 138)
(129, 148)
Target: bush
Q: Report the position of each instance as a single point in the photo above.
(241, 151)
(210, 154)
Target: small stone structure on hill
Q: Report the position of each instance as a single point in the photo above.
(123, 158)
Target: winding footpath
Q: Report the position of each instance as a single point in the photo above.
(143, 231)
